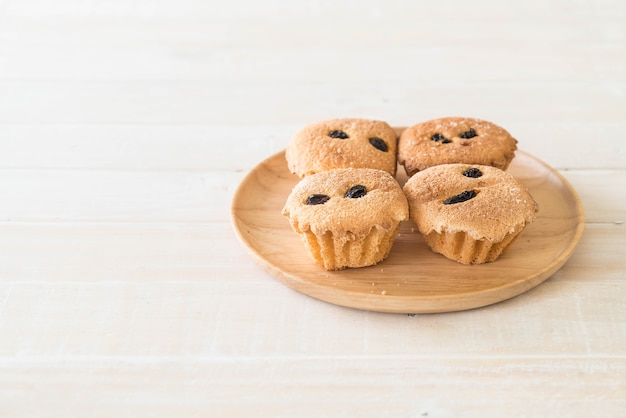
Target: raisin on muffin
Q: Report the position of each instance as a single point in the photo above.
(455, 140)
(469, 213)
(343, 143)
(347, 217)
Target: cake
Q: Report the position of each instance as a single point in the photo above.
(342, 143)
(469, 213)
(347, 217)
(455, 140)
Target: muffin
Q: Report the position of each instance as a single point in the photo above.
(343, 143)
(455, 140)
(469, 213)
(347, 217)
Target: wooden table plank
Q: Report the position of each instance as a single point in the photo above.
(334, 386)
(207, 63)
(220, 318)
(152, 102)
(201, 147)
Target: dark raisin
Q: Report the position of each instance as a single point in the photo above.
(468, 134)
(461, 197)
(317, 199)
(379, 144)
(356, 192)
(338, 134)
(473, 173)
(440, 138)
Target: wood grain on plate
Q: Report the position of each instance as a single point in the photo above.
(412, 279)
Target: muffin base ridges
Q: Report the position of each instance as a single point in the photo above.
(461, 247)
(340, 251)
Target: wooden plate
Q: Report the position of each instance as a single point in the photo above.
(412, 279)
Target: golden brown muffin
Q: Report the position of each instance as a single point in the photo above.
(347, 217)
(343, 143)
(469, 213)
(455, 140)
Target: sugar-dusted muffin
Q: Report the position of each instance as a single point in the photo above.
(455, 140)
(343, 143)
(469, 213)
(347, 217)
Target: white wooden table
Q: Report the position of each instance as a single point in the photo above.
(126, 126)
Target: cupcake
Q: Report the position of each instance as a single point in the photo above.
(347, 217)
(455, 140)
(469, 213)
(342, 143)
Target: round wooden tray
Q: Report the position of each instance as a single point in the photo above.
(412, 279)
